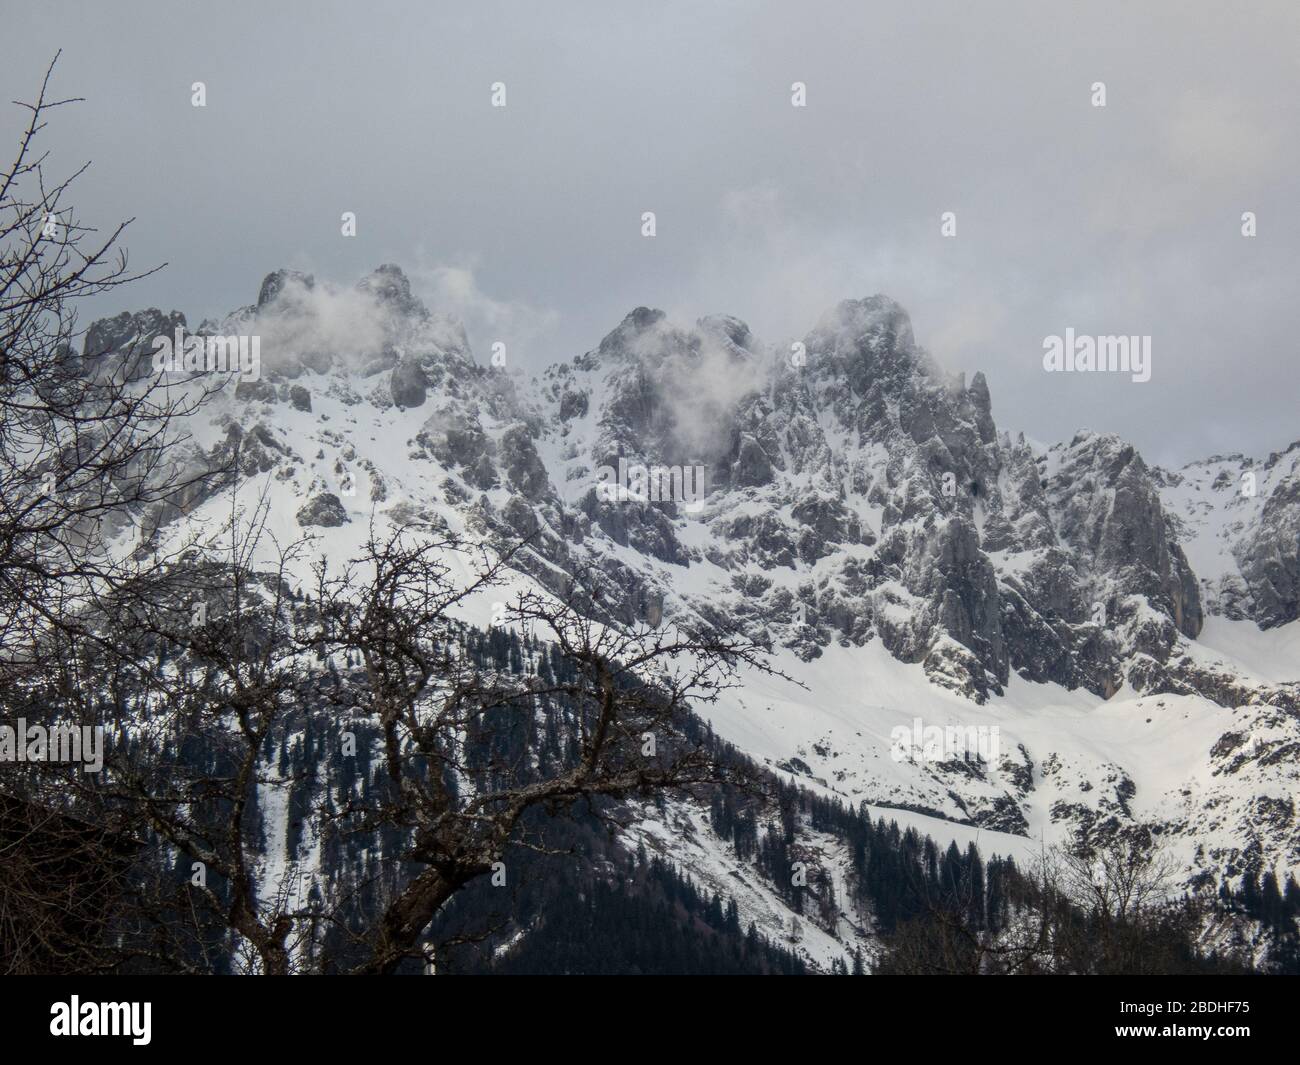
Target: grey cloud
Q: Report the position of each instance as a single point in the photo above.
(526, 220)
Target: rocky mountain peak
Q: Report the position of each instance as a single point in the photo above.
(127, 338)
(856, 508)
(864, 340)
(732, 330)
(390, 288)
(644, 335)
(275, 283)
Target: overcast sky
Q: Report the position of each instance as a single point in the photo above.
(526, 220)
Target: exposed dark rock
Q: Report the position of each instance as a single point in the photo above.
(123, 344)
(409, 384)
(325, 510)
(275, 283)
(751, 466)
(259, 391)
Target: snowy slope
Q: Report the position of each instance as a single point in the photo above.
(911, 566)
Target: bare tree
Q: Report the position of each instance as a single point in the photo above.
(1105, 908)
(201, 659)
(230, 661)
(85, 455)
(84, 441)
(59, 879)
(950, 939)
(218, 628)
(1119, 878)
(627, 694)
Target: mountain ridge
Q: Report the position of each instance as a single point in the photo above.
(860, 501)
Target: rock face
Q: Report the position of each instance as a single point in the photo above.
(984, 557)
(842, 497)
(873, 490)
(391, 289)
(408, 384)
(1268, 556)
(123, 344)
(275, 283)
(1240, 520)
(1108, 510)
(324, 510)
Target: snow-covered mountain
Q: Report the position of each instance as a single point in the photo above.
(1121, 639)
